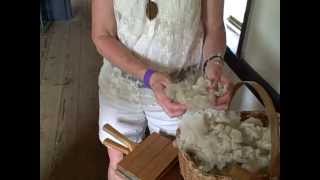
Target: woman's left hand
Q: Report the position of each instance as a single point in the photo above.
(214, 72)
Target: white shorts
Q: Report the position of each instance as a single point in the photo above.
(131, 118)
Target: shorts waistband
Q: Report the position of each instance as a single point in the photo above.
(176, 75)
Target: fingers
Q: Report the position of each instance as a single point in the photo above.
(213, 86)
(223, 102)
(173, 113)
(176, 113)
(174, 105)
(173, 109)
(166, 81)
(214, 75)
(220, 104)
(174, 143)
(159, 79)
(227, 82)
(226, 98)
(213, 72)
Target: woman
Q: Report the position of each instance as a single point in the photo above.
(144, 41)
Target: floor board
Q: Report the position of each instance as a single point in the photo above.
(69, 145)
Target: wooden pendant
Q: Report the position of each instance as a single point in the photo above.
(151, 10)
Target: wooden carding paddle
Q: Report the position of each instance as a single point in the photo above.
(149, 160)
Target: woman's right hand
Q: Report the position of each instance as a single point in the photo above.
(158, 83)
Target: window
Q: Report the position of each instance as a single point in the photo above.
(234, 13)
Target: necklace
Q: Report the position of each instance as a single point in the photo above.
(151, 10)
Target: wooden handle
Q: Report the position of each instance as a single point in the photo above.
(273, 124)
(109, 129)
(114, 145)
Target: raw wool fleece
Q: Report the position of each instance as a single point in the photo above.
(193, 91)
(218, 138)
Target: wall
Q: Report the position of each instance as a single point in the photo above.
(244, 99)
(261, 48)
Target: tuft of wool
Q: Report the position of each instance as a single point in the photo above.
(193, 92)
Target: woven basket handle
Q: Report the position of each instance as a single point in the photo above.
(274, 168)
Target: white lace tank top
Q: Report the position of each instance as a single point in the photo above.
(170, 41)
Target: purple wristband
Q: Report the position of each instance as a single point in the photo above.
(147, 77)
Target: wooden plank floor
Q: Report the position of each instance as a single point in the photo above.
(69, 145)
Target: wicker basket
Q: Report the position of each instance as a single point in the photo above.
(269, 117)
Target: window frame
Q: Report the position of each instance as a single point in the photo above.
(243, 29)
